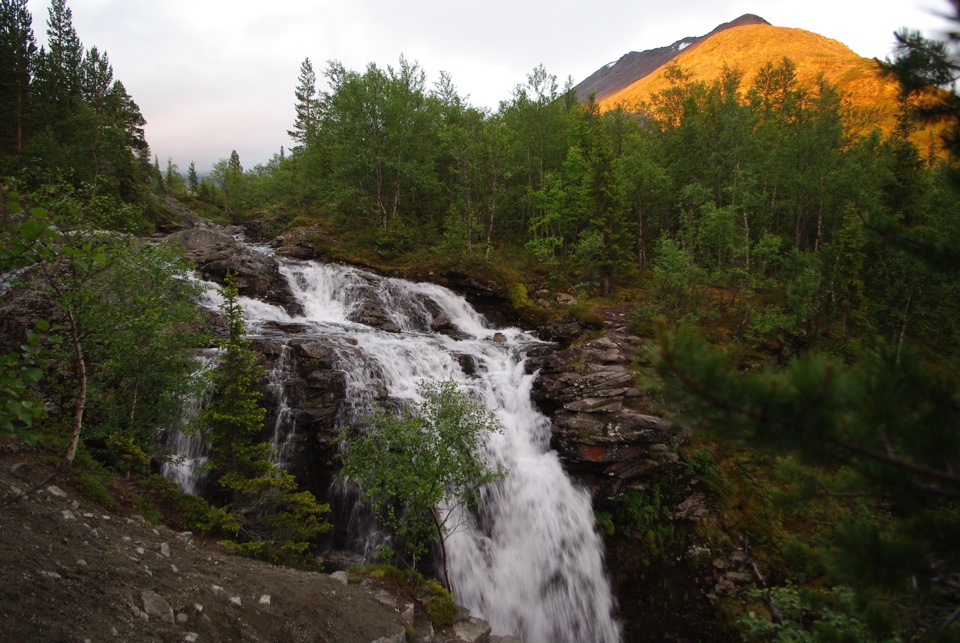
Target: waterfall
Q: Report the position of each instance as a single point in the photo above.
(531, 564)
(283, 426)
(183, 440)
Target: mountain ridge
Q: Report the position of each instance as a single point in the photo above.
(636, 65)
(747, 44)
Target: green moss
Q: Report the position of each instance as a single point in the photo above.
(586, 316)
(604, 520)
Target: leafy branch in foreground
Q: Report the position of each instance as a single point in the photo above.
(887, 427)
(422, 468)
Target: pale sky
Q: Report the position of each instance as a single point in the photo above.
(211, 76)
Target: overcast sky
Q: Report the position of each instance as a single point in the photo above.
(211, 76)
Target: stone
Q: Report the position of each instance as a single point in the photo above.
(387, 600)
(407, 615)
(56, 491)
(68, 515)
(235, 600)
(340, 577)
(165, 550)
(472, 630)
(21, 470)
(265, 599)
(156, 606)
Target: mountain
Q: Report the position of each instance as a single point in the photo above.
(636, 65)
(748, 43)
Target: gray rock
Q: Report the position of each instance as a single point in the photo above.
(472, 630)
(156, 606)
(340, 577)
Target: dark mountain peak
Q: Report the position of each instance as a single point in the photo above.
(635, 65)
(745, 19)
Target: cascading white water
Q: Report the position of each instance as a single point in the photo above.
(283, 427)
(532, 565)
(183, 439)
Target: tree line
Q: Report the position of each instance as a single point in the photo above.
(765, 188)
(62, 111)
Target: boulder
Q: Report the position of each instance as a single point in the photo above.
(216, 251)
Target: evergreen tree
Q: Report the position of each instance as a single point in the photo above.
(885, 427)
(59, 70)
(307, 107)
(18, 50)
(234, 164)
(192, 180)
(269, 517)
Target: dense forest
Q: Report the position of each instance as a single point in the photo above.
(777, 222)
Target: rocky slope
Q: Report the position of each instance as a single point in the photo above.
(73, 571)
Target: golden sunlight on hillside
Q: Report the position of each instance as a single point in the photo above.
(750, 47)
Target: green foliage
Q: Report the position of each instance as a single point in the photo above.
(21, 409)
(125, 455)
(91, 483)
(439, 602)
(805, 615)
(605, 523)
(422, 467)
(646, 515)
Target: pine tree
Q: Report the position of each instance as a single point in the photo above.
(307, 107)
(883, 430)
(273, 520)
(192, 180)
(59, 69)
(18, 50)
(234, 164)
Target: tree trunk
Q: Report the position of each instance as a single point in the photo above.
(641, 240)
(81, 394)
(493, 210)
(443, 547)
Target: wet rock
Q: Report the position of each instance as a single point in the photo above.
(371, 313)
(599, 429)
(443, 325)
(215, 252)
(468, 364)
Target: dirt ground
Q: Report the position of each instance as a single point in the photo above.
(71, 571)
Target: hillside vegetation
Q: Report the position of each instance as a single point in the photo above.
(870, 95)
